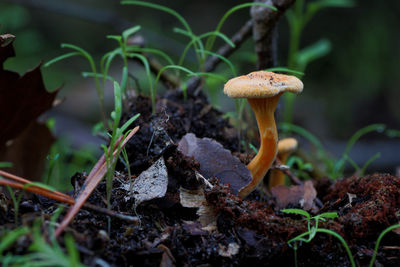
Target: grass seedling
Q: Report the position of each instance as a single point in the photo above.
(9, 238)
(334, 168)
(116, 134)
(298, 17)
(41, 252)
(302, 168)
(313, 230)
(81, 52)
(16, 201)
(378, 241)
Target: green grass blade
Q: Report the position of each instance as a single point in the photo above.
(352, 163)
(128, 123)
(339, 166)
(152, 51)
(209, 74)
(393, 133)
(92, 75)
(378, 241)
(369, 161)
(194, 40)
(129, 32)
(146, 65)
(201, 50)
(286, 70)
(224, 59)
(161, 8)
(11, 237)
(62, 57)
(313, 52)
(297, 211)
(106, 62)
(329, 215)
(289, 127)
(73, 254)
(346, 247)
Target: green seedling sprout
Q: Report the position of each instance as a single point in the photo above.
(335, 167)
(81, 52)
(298, 17)
(313, 230)
(166, 10)
(340, 164)
(378, 241)
(197, 39)
(9, 238)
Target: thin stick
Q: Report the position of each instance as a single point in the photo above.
(29, 188)
(37, 190)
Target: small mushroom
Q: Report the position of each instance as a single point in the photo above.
(262, 90)
(286, 147)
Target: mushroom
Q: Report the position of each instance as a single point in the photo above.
(286, 147)
(262, 90)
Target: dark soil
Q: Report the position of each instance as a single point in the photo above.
(249, 232)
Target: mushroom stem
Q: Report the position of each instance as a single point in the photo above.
(264, 109)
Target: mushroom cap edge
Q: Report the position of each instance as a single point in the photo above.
(262, 84)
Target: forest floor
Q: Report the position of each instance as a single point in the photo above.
(188, 220)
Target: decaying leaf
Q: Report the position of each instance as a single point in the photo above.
(150, 184)
(296, 195)
(196, 199)
(215, 161)
(28, 151)
(22, 98)
(23, 141)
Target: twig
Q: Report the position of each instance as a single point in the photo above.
(292, 177)
(265, 30)
(24, 184)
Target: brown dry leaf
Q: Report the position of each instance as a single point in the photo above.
(216, 161)
(22, 98)
(28, 151)
(303, 195)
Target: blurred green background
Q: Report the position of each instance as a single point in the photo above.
(354, 85)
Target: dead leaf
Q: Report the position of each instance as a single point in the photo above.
(28, 151)
(215, 161)
(22, 98)
(150, 184)
(303, 195)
